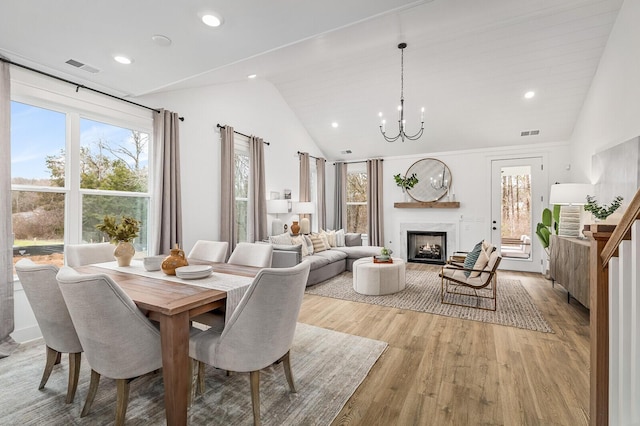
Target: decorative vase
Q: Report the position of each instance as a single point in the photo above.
(295, 228)
(124, 252)
(175, 260)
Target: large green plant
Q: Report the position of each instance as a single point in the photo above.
(550, 222)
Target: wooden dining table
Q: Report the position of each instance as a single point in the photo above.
(172, 304)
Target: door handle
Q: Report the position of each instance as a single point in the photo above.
(494, 228)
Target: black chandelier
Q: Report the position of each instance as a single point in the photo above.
(401, 121)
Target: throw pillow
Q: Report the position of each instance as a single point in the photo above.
(318, 244)
(325, 240)
(340, 238)
(331, 237)
(280, 239)
(309, 244)
(472, 258)
(481, 263)
(299, 239)
(352, 239)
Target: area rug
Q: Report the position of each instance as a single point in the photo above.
(422, 293)
(328, 367)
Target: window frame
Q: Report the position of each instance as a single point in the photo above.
(353, 168)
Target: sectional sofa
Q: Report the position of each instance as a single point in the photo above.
(327, 263)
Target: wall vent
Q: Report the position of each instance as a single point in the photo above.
(530, 133)
(82, 66)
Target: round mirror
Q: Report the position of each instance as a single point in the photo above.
(434, 180)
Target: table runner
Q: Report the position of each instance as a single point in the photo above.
(234, 285)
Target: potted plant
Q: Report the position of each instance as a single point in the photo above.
(405, 183)
(602, 212)
(121, 233)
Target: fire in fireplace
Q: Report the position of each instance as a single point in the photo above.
(427, 247)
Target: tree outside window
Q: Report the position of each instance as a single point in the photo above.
(357, 185)
(241, 191)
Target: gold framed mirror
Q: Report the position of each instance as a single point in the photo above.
(434, 180)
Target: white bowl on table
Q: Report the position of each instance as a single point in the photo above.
(153, 263)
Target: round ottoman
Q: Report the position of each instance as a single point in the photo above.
(376, 279)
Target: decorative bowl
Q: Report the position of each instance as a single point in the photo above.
(153, 263)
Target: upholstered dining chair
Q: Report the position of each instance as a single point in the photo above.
(118, 340)
(252, 254)
(40, 286)
(86, 254)
(212, 251)
(259, 332)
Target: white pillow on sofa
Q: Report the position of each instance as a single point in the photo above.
(340, 238)
(281, 239)
(299, 240)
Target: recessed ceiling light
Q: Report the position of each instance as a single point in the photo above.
(252, 76)
(211, 20)
(334, 124)
(122, 59)
(161, 40)
(530, 94)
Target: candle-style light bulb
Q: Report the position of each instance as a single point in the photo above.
(422, 115)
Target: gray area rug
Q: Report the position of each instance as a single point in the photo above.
(328, 367)
(422, 293)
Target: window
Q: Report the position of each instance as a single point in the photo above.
(69, 170)
(241, 190)
(357, 184)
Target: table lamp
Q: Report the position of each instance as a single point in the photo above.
(571, 197)
(304, 208)
(276, 207)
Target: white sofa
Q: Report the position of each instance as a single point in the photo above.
(325, 264)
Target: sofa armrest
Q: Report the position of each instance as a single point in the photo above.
(286, 256)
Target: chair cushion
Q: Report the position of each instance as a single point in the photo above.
(472, 258)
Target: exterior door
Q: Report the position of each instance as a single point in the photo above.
(517, 200)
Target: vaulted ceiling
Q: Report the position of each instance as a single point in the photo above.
(468, 62)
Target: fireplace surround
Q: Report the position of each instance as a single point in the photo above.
(427, 247)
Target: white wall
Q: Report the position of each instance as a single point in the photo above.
(251, 107)
(611, 111)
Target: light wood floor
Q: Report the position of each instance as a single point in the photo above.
(446, 371)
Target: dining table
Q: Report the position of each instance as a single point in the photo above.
(172, 302)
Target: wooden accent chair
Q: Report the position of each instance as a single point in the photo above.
(458, 279)
(212, 251)
(260, 331)
(86, 254)
(118, 340)
(40, 286)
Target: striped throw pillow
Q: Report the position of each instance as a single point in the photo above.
(318, 244)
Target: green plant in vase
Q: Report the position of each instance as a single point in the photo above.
(406, 182)
(602, 212)
(121, 233)
(550, 222)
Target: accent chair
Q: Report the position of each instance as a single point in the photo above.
(86, 254)
(212, 251)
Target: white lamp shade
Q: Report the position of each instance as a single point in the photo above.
(277, 206)
(304, 207)
(570, 193)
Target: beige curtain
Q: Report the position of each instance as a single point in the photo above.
(7, 344)
(228, 226)
(257, 193)
(167, 195)
(321, 207)
(375, 208)
(340, 196)
(304, 190)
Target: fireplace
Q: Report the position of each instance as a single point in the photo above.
(427, 247)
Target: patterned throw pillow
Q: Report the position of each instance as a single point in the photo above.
(318, 244)
(325, 239)
(340, 238)
(331, 237)
(299, 239)
(280, 239)
(481, 263)
(472, 258)
(307, 238)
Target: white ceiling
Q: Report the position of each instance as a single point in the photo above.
(468, 62)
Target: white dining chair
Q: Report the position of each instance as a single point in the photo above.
(86, 254)
(252, 254)
(212, 251)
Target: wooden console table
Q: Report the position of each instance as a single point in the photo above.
(569, 266)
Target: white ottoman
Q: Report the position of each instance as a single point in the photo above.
(376, 279)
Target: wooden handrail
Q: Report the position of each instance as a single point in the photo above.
(623, 229)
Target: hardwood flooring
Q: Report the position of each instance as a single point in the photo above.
(439, 370)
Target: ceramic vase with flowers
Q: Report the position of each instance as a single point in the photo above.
(122, 234)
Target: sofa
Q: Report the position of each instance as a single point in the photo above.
(327, 263)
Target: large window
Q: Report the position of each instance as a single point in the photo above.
(68, 171)
(357, 184)
(241, 190)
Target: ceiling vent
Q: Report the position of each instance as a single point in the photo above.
(346, 151)
(85, 67)
(530, 133)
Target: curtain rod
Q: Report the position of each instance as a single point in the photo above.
(78, 85)
(355, 162)
(220, 126)
(311, 156)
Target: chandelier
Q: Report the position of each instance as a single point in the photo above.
(401, 121)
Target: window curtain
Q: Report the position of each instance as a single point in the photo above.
(304, 190)
(375, 209)
(7, 324)
(257, 193)
(321, 208)
(167, 197)
(227, 185)
(340, 198)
